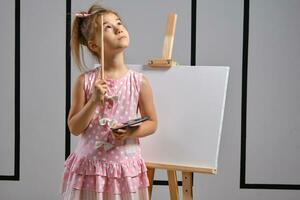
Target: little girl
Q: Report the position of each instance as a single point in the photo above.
(107, 164)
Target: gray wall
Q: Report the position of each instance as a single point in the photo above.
(272, 117)
(7, 92)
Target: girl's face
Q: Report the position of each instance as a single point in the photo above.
(116, 37)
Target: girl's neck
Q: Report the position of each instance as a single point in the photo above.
(114, 63)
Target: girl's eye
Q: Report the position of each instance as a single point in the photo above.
(119, 23)
(107, 27)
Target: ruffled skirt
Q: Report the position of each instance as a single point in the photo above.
(85, 179)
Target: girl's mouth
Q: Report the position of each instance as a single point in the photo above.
(122, 37)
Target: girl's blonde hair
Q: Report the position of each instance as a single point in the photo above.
(85, 29)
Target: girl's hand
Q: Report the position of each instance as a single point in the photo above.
(124, 133)
(99, 90)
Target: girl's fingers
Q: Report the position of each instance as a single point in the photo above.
(121, 131)
(102, 88)
(103, 91)
(120, 137)
(100, 82)
(119, 134)
(117, 124)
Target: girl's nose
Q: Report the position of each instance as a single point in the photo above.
(118, 30)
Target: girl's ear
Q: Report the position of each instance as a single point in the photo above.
(93, 46)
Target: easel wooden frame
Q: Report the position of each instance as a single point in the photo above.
(187, 171)
(187, 178)
(166, 60)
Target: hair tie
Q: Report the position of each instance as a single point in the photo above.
(82, 14)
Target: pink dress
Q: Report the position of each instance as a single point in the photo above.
(101, 167)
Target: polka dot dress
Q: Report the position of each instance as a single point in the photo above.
(101, 167)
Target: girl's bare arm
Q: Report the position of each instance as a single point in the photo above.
(80, 113)
(147, 108)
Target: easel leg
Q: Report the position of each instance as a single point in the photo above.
(187, 185)
(150, 174)
(173, 186)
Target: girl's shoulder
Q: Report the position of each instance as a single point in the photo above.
(135, 73)
(89, 75)
(90, 71)
(138, 76)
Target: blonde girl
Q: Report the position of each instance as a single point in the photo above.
(106, 164)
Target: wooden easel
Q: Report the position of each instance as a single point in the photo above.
(187, 171)
(166, 60)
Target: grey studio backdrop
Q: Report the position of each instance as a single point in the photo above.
(268, 155)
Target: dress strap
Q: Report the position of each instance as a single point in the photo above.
(89, 78)
(138, 77)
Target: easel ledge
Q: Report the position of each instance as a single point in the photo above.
(183, 168)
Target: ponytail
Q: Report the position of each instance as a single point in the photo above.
(77, 39)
